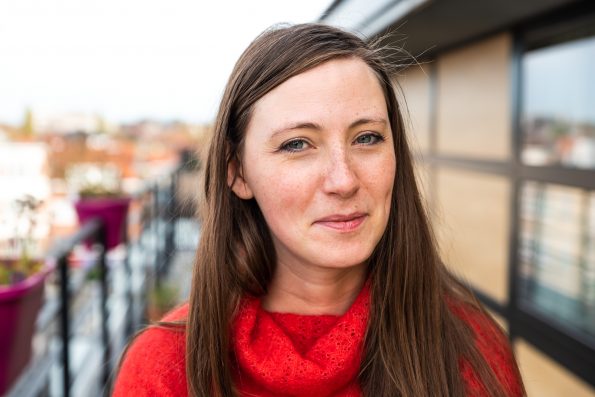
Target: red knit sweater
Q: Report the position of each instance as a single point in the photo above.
(279, 354)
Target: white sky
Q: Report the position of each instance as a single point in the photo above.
(129, 59)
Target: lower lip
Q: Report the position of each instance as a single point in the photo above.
(344, 226)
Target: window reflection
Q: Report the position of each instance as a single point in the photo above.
(557, 254)
(559, 105)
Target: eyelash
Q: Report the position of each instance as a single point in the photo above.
(285, 147)
(377, 138)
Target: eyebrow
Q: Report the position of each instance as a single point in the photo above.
(313, 126)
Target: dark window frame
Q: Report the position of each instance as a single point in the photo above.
(568, 348)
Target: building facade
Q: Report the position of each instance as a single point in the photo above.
(500, 105)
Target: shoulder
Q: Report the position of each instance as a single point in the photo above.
(154, 363)
(493, 344)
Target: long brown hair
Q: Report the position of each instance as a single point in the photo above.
(414, 342)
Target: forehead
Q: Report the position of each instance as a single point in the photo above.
(332, 94)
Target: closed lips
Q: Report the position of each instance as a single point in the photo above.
(343, 222)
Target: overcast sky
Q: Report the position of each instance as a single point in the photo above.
(129, 59)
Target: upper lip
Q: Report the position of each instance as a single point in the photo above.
(341, 217)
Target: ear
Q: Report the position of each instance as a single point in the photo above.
(236, 181)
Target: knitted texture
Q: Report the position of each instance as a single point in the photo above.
(282, 354)
(297, 355)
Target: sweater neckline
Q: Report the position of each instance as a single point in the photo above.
(296, 354)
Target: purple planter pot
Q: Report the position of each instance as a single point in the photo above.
(19, 306)
(113, 212)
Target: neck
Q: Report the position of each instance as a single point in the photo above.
(313, 290)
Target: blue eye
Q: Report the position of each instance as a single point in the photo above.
(296, 145)
(368, 139)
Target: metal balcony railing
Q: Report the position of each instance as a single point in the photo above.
(85, 322)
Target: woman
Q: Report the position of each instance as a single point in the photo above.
(317, 273)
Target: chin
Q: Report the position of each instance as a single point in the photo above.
(343, 259)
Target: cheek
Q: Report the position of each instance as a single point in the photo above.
(380, 176)
(282, 195)
(389, 176)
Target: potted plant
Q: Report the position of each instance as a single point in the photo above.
(22, 279)
(100, 196)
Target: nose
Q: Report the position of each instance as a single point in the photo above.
(340, 178)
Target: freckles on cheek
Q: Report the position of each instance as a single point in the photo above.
(277, 198)
(284, 192)
(288, 196)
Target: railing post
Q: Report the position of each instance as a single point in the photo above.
(103, 270)
(129, 296)
(64, 323)
(170, 221)
(155, 226)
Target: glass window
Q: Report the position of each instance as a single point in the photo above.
(556, 254)
(558, 119)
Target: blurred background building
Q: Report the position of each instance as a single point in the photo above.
(500, 105)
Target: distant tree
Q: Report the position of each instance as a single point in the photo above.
(27, 129)
(101, 125)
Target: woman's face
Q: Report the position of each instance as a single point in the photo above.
(319, 160)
